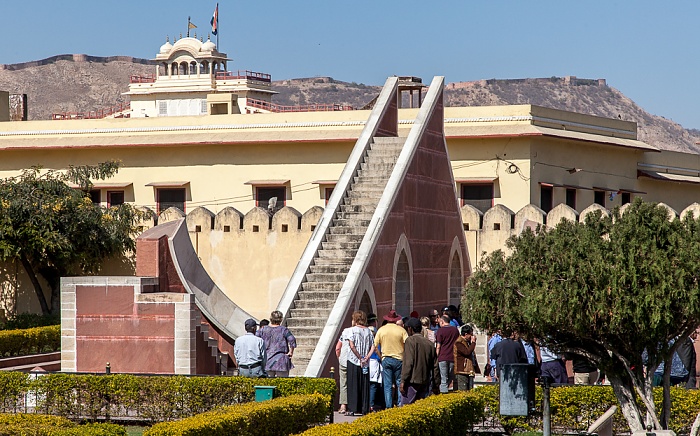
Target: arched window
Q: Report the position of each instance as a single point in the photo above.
(366, 303)
(193, 68)
(173, 69)
(204, 67)
(402, 293)
(456, 285)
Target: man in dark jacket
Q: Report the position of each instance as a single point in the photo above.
(509, 350)
(419, 364)
(686, 351)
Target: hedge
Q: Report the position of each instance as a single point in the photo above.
(29, 341)
(147, 398)
(575, 408)
(278, 417)
(46, 425)
(29, 320)
(451, 414)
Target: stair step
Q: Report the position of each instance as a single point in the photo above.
(345, 222)
(374, 174)
(306, 339)
(341, 245)
(343, 238)
(293, 323)
(356, 208)
(360, 231)
(328, 269)
(326, 277)
(308, 333)
(389, 140)
(377, 166)
(343, 255)
(308, 312)
(364, 216)
(314, 305)
(378, 180)
(319, 291)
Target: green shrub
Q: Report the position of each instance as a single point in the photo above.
(453, 413)
(575, 408)
(13, 386)
(149, 398)
(155, 399)
(30, 341)
(278, 417)
(29, 320)
(22, 424)
(301, 385)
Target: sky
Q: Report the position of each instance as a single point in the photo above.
(647, 50)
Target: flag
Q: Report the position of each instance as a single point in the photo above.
(191, 26)
(215, 21)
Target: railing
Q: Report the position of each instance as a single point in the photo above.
(272, 107)
(94, 115)
(148, 78)
(243, 74)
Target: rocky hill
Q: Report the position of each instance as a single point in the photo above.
(75, 83)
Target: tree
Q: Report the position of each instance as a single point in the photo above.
(607, 289)
(54, 230)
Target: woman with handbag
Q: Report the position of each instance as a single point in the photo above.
(466, 365)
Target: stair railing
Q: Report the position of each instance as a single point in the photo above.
(383, 121)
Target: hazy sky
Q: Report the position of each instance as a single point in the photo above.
(648, 50)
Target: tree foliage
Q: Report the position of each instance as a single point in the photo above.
(608, 289)
(54, 230)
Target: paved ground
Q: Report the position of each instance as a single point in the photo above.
(337, 417)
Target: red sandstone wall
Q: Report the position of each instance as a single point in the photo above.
(110, 327)
(426, 210)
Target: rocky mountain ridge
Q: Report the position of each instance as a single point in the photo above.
(78, 83)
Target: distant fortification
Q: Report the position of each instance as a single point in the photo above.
(75, 58)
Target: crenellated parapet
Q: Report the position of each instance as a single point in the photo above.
(489, 231)
(256, 220)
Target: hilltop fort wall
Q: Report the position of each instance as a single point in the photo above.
(75, 58)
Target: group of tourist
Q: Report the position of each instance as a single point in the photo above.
(405, 359)
(509, 348)
(265, 351)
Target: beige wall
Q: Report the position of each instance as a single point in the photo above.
(490, 158)
(251, 267)
(601, 166)
(216, 173)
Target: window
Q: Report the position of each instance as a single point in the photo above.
(599, 198)
(162, 108)
(478, 195)
(328, 192)
(170, 197)
(264, 194)
(95, 196)
(626, 197)
(546, 194)
(571, 198)
(115, 198)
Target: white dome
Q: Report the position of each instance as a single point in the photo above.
(165, 48)
(208, 46)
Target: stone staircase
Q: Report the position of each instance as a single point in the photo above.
(328, 271)
(223, 362)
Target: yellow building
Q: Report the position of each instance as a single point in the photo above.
(505, 159)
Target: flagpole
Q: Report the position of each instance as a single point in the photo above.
(218, 47)
(188, 27)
